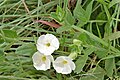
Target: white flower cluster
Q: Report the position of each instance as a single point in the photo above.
(46, 45)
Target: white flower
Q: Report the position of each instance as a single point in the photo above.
(47, 44)
(42, 62)
(64, 65)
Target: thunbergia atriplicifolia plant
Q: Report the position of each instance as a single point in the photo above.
(46, 45)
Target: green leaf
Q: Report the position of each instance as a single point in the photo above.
(109, 66)
(118, 63)
(113, 36)
(99, 72)
(26, 49)
(89, 10)
(59, 15)
(9, 33)
(101, 52)
(96, 73)
(90, 77)
(11, 57)
(54, 16)
(69, 17)
(63, 28)
(111, 56)
(95, 38)
(1, 40)
(2, 56)
(102, 2)
(101, 16)
(81, 23)
(65, 4)
(80, 63)
(80, 13)
(107, 12)
(90, 50)
(108, 31)
(85, 38)
(113, 2)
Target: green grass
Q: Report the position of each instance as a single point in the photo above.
(95, 23)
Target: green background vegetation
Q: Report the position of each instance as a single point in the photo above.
(94, 23)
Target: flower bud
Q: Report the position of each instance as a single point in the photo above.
(77, 42)
(73, 55)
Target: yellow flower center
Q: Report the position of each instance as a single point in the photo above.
(64, 62)
(48, 44)
(44, 58)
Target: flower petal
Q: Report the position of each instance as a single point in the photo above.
(55, 43)
(41, 39)
(50, 57)
(66, 69)
(36, 58)
(41, 64)
(64, 65)
(50, 37)
(47, 63)
(71, 63)
(42, 42)
(41, 48)
(58, 67)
